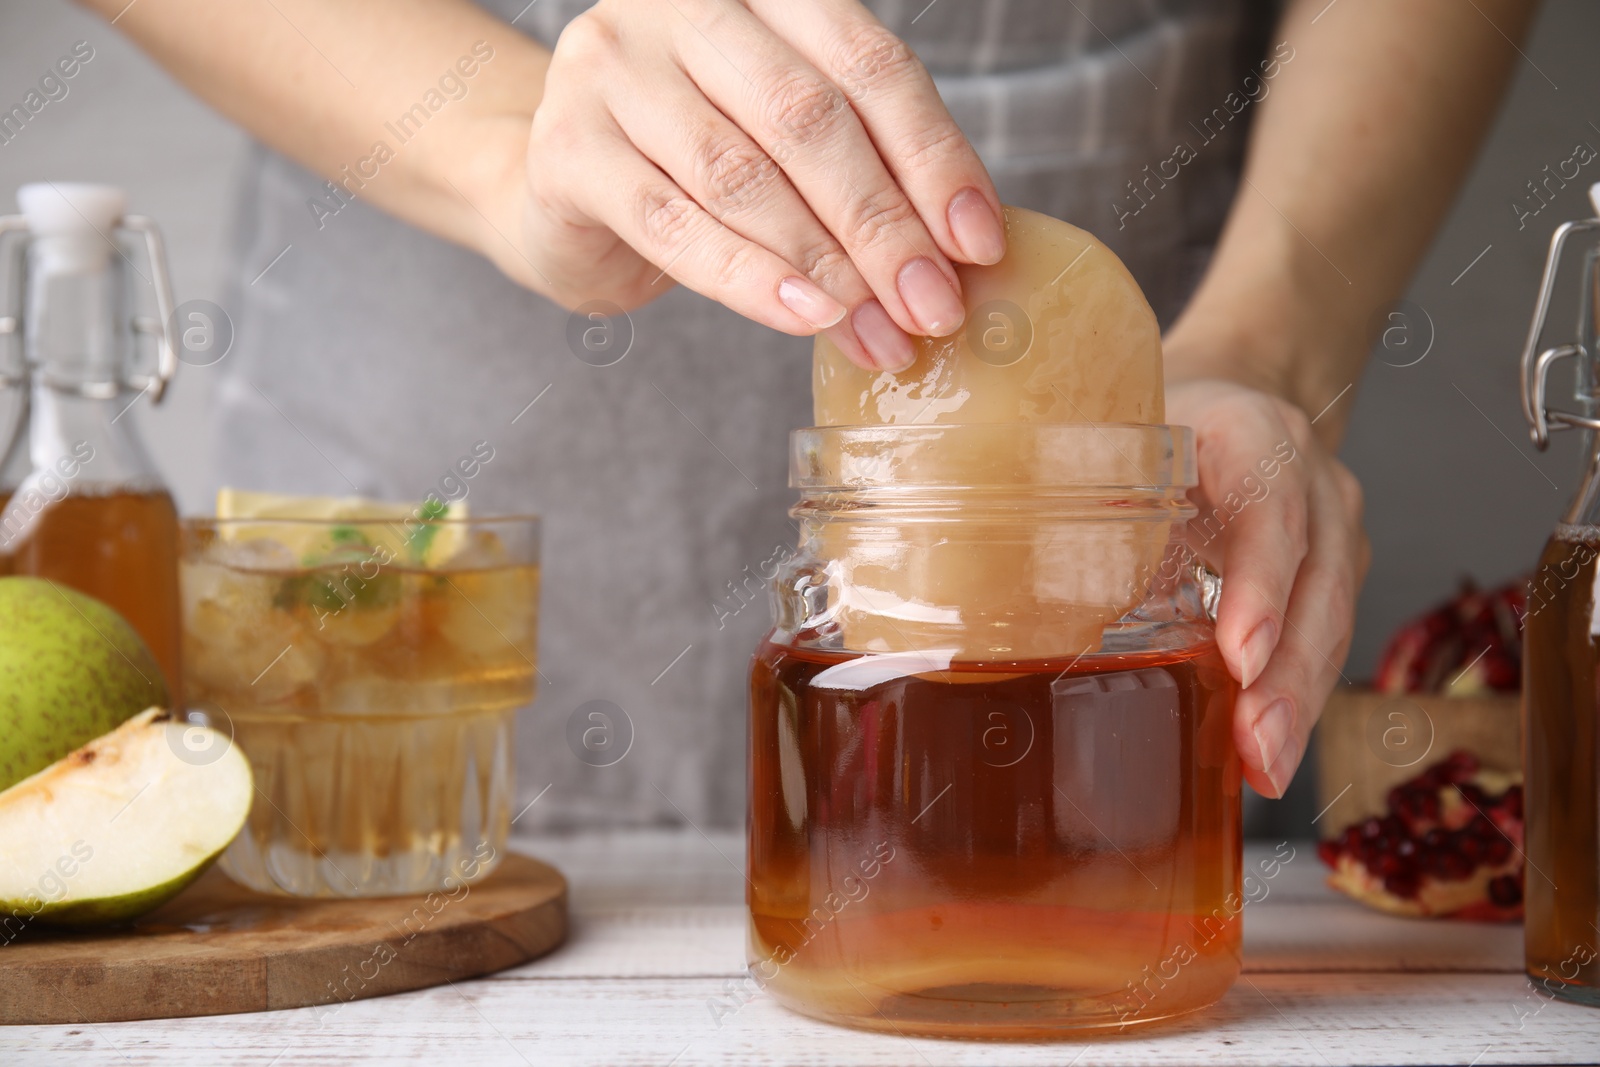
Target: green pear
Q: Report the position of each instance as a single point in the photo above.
(121, 825)
(71, 669)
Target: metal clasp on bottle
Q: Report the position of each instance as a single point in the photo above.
(13, 361)
(1536, 364)
(141, 325)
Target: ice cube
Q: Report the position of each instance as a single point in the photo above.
(492, 613)
(236, 642)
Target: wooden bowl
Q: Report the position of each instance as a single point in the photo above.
(1370, 742)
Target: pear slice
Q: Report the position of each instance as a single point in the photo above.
(121, 825)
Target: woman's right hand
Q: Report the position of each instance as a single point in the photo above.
(791, 161)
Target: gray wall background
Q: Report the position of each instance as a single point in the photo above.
(1453, 487)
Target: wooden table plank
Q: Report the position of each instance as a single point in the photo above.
(657, 867)
(1332, 937)
(1298, 925)
(644, 942)
(1339, 935)
(658, 939)
(1285, 1019)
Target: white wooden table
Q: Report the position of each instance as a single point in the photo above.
(657, 938)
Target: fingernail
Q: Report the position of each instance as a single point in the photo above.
(1257, 650)
(1283, 768)
(1274, 734)
(845, 340)
(885, 342)
(930, 297)
(813, 305)
(977, 231)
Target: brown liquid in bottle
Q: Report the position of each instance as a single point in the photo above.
(120, 547)
(993, 849)
(1561, 683)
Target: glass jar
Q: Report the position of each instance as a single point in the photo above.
(993, 787)
(371, 671)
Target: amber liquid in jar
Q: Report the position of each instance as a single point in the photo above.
(1002, 850)
(120, 547)
(1561, 681)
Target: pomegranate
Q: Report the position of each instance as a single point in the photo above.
(1450, 844)
(1469, 645)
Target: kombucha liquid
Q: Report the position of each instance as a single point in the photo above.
(120, 547)
(377, 716)
(1562, 790)
(1001, 850)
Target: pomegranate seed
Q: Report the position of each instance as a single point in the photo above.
(1328, 852)
(1505, 891)
(1512, 801)
(1498, 851)
(1402, 884)
(1461, 765)
(1455, 867)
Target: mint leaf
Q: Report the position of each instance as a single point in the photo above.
(423, 536)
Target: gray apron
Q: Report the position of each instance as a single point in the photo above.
(369, 357)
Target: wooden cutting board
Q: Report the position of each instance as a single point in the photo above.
(219, 948)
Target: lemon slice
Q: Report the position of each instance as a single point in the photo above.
(337, 523)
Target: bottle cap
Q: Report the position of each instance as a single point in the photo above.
(72, 222)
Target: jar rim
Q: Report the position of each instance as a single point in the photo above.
(1041, 456)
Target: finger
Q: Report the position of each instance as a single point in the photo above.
(1274, 717)
(891, 91)
(739, 185)
(582, 258)
(673, 124)
(665, 225)
(803, 121)
(871, 340)
(1253, 514)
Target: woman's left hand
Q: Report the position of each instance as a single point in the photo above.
(1280, 519)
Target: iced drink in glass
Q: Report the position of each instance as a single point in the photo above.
(371, 672)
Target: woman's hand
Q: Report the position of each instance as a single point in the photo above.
(1280, 520)
(1319, 241)
(792, 161)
